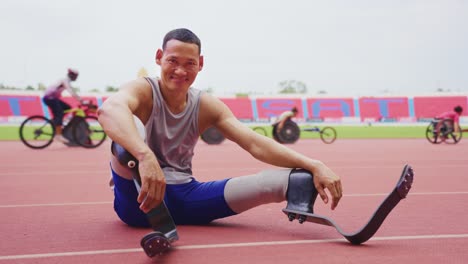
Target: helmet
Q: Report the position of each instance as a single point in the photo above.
(72, 74)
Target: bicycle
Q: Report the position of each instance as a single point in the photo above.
(439, 131)
(81, 128)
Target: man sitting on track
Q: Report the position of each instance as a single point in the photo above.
(171, 116)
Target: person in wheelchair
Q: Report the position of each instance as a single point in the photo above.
(283, 117)
(52, 98)
(448, 122)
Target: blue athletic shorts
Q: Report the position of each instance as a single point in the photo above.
(193, 203)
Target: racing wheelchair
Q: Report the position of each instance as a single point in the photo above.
(443, 130)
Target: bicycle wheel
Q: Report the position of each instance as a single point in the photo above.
(260, 130)
(432, 135)
(328, 135)
(37, 132)
(87, 132)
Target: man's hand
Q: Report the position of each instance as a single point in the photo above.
(153, 183)
(325, 178)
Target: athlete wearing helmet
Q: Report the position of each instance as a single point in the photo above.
(72, 74)
(52, 98)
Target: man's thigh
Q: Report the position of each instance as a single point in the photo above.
(197, 203)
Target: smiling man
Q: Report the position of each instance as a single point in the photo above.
(171, 115)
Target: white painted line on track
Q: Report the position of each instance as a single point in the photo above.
(239, 169)
(110, 202)
(54, 172)
(229, 245)
(52, 204)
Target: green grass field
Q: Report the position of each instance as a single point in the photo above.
(11, 132)
(344, 131)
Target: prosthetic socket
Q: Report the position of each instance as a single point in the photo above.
(126, 160)
(301, 193)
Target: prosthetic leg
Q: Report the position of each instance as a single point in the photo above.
(301, 197)
(165, 232)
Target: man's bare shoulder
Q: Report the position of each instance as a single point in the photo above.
(137, 94)
(137, 85)
(210, 102)
(213, 109)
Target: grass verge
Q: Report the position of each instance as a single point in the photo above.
(12, 132)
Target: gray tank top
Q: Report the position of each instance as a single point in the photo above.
(172, 137)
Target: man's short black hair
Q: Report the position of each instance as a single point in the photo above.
(458, 109)
(294, 110)
(184, 35)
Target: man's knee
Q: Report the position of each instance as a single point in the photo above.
(123, 162)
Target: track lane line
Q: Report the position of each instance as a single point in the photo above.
(228, 245)
(110, 202)
(52, 204)
(247, 169)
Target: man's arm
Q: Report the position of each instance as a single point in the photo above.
(267, 150)
(116, 117)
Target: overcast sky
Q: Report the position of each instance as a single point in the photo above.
(348, 47)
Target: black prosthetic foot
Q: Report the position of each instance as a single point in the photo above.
(400, 192)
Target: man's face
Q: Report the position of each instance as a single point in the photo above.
(180, 63)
